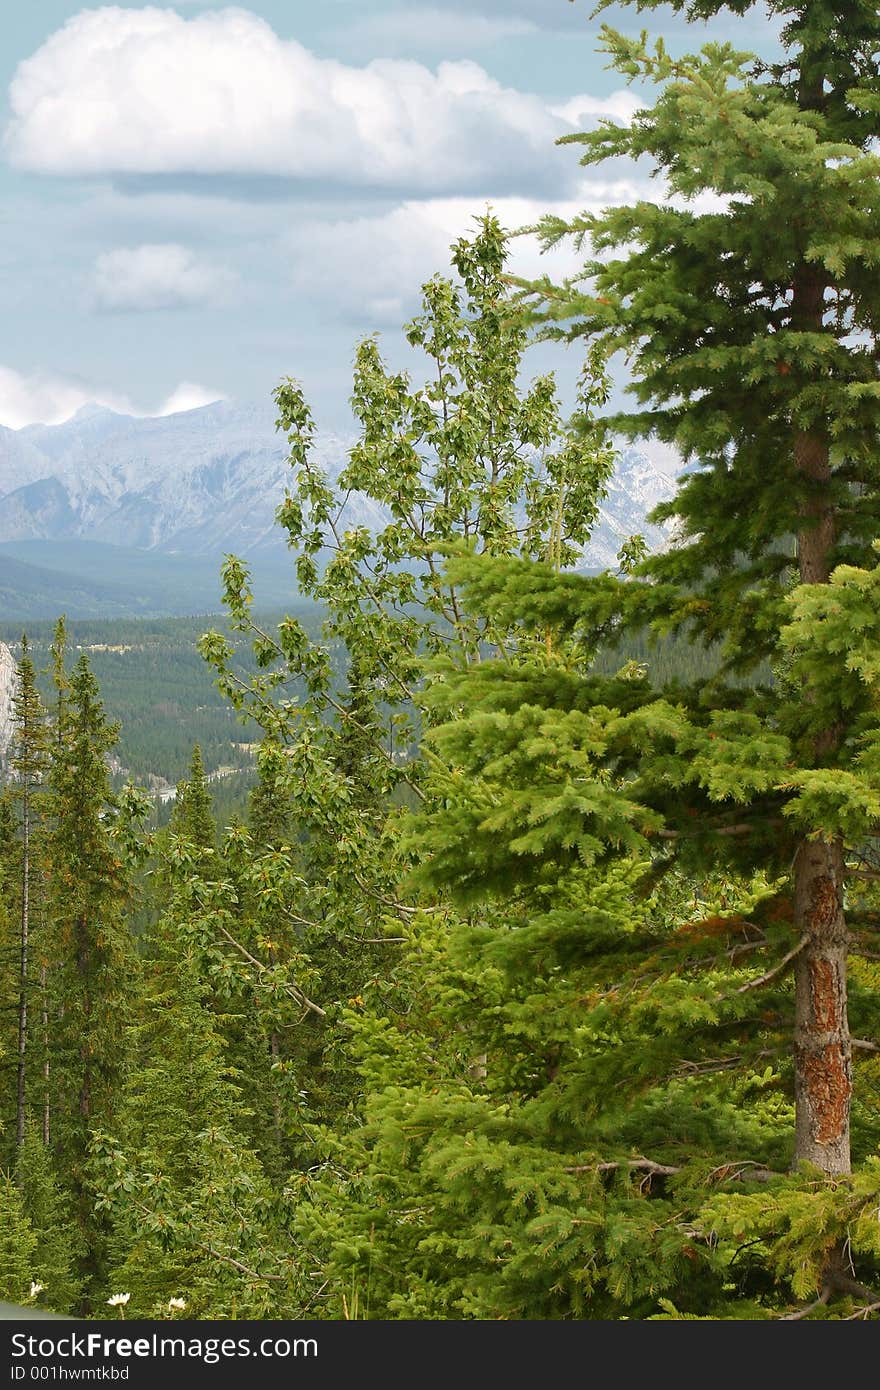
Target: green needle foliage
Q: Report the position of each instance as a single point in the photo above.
(88, 951)
(190, 1211)
(193, 814)
(466, 460)
(540, 982)
(751, 329)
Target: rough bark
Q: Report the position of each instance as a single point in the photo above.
(823, 1053)
(21, 1086)
(83, 962)
(44, 997)
(822, 1049)
(277, 1118)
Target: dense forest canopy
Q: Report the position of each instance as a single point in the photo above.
(537, 975)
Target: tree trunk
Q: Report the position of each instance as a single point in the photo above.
(822, 1053)
(21, 1092)
(823, 1059)
(40, 909)
(83, 964)
(47, 1132)
(277, 1125)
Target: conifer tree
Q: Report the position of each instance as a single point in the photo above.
(191, 1212)
(58, 1245)
(193, 816)
(29, 763)
(10, 956)
(89, 951)
(466, 458)
(18, 1245)
(269, 807)
(751, 328)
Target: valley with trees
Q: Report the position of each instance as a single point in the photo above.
(525, 963)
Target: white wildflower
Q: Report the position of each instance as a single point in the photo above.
(176, 1305)
(118, 1300)
(36, 1288)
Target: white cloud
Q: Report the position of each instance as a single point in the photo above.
(157, 276)
(49, 398)
(151, 92)
(375, 265)
(189, 396)
(418, 29)
(583, 111)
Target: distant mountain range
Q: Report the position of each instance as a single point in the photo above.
(115, 515)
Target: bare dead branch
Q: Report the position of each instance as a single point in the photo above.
(809, 1307)
(641, 1165)
(862, 1313)
(745, 828)
(725, 1172)
(293, 990)
(236, 1264)
(777, 969)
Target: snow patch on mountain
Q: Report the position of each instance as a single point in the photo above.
(207, 481)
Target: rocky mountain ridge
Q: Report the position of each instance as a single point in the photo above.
(207, 481)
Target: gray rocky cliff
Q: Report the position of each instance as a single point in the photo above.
(8, 684)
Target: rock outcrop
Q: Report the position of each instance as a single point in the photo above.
(207, 481)
(8, 684)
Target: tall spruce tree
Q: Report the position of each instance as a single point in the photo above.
(29, 763)
(90, 952)
(190, 1211)
(193, 814)
(18, 1245)
(751, 328)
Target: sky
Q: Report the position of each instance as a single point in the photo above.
(197, 200)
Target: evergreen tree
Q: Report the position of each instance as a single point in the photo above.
(10, 959)
(269, 818)
(752, 332)
(29, 763)
(18, 1246)
(193, 816)
(90, 952)
(192, 1214)
(466, 459)
(58, 1251)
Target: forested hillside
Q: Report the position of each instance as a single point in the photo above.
(156, 686)
(536, 975)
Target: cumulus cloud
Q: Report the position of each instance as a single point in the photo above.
(371, 267)
(582, 112)
(159, 276)
(48, 398)
(189, 396)
(143, 92)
